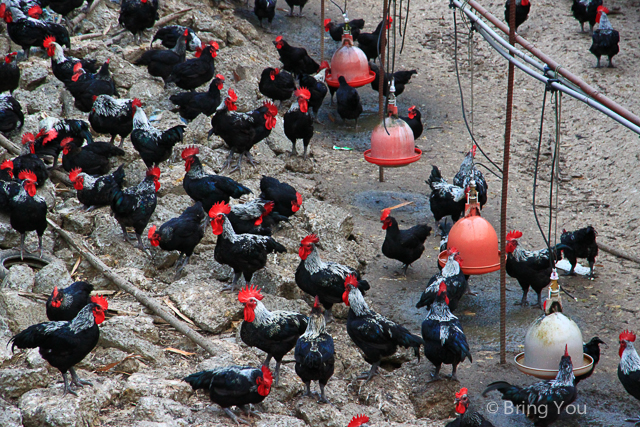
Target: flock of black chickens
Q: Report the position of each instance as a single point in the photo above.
(244, 230)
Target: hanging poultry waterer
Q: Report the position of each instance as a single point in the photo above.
(476, 240)
(392, 143)
(351, 62)
(547, 338)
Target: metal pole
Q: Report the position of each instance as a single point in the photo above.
(505, 189)
(381, 72)
(322, 30)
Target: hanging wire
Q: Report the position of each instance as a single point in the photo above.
(406, 21)
(464, 115)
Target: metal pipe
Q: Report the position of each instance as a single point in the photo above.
(551, 63)
(322, 30)
(381, 78)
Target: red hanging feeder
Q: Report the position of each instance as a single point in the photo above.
(476, 240)
(351, 62)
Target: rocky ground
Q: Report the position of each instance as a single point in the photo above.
(138, 365)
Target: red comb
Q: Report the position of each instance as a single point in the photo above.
(627, 335)
(65, 141)
(358, 420)
(326, 24)
(279, 38)
(462, 392)
(74, 174)
(298, 199)
(311, 238)
(48, 40)
(248, 292)
(268, 208)
(324, 64)
(101, 301)
(232, 95)
(515, 234)
(136, 103)
(155, 171)
(219, 76)
(28, 175)
(271, 108)
(28, 137)
(77, 67)
(7, 164)
(219, 208)
(35, 12)
(602, 9)
(186, 32)
(50, 136)
(266, 375)
(316, 302)
(566, 350)
(385, 214)
(150, 234)
(351, 280)
(453, 250)
(189, 151)
(303, 92)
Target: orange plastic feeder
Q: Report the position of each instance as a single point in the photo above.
(396, 148)
(351, 62)
(476, 240)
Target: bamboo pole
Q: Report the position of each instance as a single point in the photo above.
(139, 295)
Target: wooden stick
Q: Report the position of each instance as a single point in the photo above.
(13, 149)
(171, 17)
(398, 206)
(139, 295)
(78, 19)
(618, 253)
(75, 39)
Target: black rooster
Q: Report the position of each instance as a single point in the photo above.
(53, 131)
(62, 66)
(468, 416)
(95, 192)
(153, 145)
(544, 401)
(405, 246)
(208, 189)
(452, 276)
(274, 332)
(9, 73)
(400, 79)
(414, 120)
(194, 103)
(233, 386)
(287, 201)
(586, 11)
(180, 234)
(275, 84)
(293, 3)
(170, 34)
(66, 303)
(254, 217)
(445, 199)
(93, 158)
(138, 15)
(265, 9)
(195, 72)
(522, 11)
(369, 43)
(468, 172)
(295, 59)
(629, 367)
(323, 279)
(28, 210)
(244, 253)
(113, 116)
(29, 161)
(6, 171)
(317, 87)
(375, 335)
(65, 344)
(160, 62)
(11, 115)
(580, 244)
(133, 206)
(64, 7)
(348, 99)
(86, 86)
(592, 348)
(314, 353)
(444, 339)
(336, 30)
(605, 38)
(27, 32)
(298, 122)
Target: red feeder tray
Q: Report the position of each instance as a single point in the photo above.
(351, 62)
(393, 163)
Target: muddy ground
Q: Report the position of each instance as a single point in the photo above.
(597, 160)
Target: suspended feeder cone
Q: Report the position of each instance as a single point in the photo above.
(475, 239)
(548, 337)
(351, 62)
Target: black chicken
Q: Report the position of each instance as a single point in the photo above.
(605, 38)
(592, 348)
(244, 253)
(377, 336)
(348, 99)
(9, 73)
(133, 206)
(295, 59)
(405, 246)
(317, 87)
(208, 189)
(274, 332)
(293, 3)
(445, 199)
(444, 339)
(85, 86)
(65, 344)
(522, 11)
(369, 43)
(586, 11)
(323, 279)
(468, 416)
(180, 234)
(265, 9)
(160, 62)
(298, 122)
(138, 15)
(113, 116)
(28, 210)
(400, 79)
(93, 158)
(170, 34)
(414, 120)
(62, 66)
(195, 72)
(452, 276)
(234, 386)
(580, 244)
(6, 171)
(193, 103)
(66, 303)
(468, 172)
(314, 353)
(27, 32)
(287, 201)
(11, 115)
(53, 131)
(29, 161)
(64, 7)
(542, 402)
(153, 145)
(336, 30)
(95, 192)
(254, 217)
(275, 84)
(629, 367)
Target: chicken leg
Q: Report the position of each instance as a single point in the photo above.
(368, 375)
(67, 389)
(435, 375)
(323, 398)
(42, 250)
(77, 381)
(22, 236)
(232, 287)
(233, 416)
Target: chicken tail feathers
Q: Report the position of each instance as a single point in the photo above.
(434, 177)
(29, 338)
(118, 175)
(363, 285)
(200, 380)
(277, 247)
(406, 339)
(502, 386)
